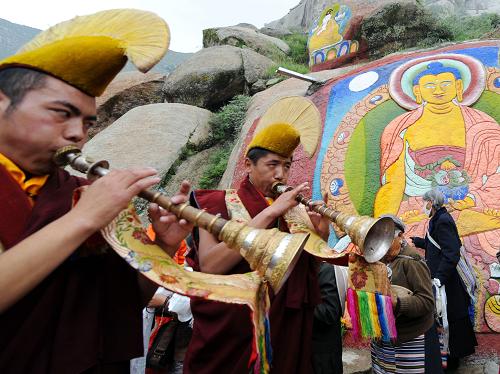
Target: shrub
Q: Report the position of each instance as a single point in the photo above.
(226, 124)
(400, 26)
(298, 58)
(218, 164)
(298, 48)
(224, 128)
(471, 27)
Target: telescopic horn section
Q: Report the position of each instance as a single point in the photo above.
(273, 254)
(373, 236)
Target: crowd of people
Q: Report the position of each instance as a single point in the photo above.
(69, 304)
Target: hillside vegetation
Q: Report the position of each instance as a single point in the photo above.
(401, 26)
(298, 58)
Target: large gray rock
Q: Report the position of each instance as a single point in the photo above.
(275, 32)
(214, 75)
(245, 37)
(246, 25)
(397, 27)
(302, 16)
(128, 90)
(255, 65)
(150, 135)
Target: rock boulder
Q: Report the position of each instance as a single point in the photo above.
(128, 90)
(245, 37)
(275, 33)
(302, 16)
(214, 75)
(150, 135)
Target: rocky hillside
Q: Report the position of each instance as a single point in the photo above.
(302, 16)
(13, 36)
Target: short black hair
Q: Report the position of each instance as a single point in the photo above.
(16, 82)
(255, 154)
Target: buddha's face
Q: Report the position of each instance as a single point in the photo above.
(438, 89)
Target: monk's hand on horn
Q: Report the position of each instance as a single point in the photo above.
(169, 230)
(321, 224)
(107, 196)
(287, 200)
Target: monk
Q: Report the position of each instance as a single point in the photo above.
(68, 303)
(447, 145)
(222, 333)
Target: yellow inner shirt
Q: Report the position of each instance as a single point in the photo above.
(31, 186)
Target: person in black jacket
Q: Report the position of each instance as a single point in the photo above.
(442, 262)
(327, 335)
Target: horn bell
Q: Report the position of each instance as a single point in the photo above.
(272, 253)
(373, 236)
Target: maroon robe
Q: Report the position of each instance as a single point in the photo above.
(222, 333)
(83, 317)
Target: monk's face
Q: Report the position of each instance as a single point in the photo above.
(46, 119)
(267, 170)
(438, 89)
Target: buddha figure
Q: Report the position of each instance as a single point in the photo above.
(328, 30)
(447, 145)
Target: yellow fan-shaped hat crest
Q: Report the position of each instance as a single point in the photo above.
(88, 51)
(288, 122)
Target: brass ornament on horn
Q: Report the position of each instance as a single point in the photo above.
(373, 236)
(272, 253)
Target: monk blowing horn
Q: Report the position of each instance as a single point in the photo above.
(373, 236)
(272, 253)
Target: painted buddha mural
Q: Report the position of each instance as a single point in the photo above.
(445, 144)
(400, 126)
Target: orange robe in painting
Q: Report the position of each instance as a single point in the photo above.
(482, 159)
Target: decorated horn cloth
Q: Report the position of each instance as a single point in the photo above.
(368, 296)
(369, 301)
(128, 238)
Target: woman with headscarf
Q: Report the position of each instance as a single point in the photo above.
(417, 347)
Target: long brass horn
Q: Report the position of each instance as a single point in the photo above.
(272, 253)
(373, 236)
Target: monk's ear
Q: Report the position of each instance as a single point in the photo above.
(4, 103)
(460, 90)
(418, 95)
(248, 165)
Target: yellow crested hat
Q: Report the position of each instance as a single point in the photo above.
(87, 52)
(279, 138)
(288, 122)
